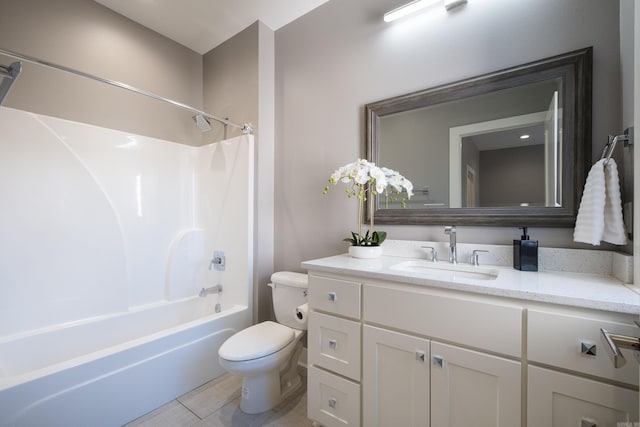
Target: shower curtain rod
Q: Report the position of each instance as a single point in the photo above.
(8, 76)
(246, 127)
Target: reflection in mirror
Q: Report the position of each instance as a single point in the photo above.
(502, 149)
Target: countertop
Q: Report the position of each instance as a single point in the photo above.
(600, 292)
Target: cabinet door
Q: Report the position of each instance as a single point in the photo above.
(557, 399)
(473, 389)
(395, 379)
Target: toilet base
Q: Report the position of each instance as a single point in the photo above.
(262, 392)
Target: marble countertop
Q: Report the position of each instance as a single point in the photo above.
(596, 291)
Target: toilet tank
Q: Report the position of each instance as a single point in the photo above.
(289, 292)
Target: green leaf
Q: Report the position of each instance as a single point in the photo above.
(378, 237)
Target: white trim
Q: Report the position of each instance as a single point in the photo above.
(455, 146)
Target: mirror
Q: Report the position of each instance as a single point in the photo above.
(509, 148)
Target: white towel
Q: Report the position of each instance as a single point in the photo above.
(600, 213)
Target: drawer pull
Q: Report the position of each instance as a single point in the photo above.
(615, 342)
(437, 360)
(333, 402)
(420, 356)
(588, 349)
(586, 422)
(333, 297)
(333, 344)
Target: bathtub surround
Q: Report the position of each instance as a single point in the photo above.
(99, 221)
(98, 225)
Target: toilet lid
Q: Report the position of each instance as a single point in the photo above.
(256, 341)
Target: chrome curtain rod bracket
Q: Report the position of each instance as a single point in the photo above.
(9, 75)
(121, 85)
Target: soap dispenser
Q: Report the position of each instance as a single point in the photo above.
(525, 253)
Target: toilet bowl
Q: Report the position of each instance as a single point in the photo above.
(266, 355)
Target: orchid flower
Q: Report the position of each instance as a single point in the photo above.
(365, 177)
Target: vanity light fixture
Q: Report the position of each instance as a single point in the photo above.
(418, 5)
(408, 9)
(450, 4)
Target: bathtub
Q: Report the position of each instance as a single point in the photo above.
(110, 370)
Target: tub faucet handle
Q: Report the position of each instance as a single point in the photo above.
(218, 261)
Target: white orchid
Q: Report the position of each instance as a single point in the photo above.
(367, 177)
(398, 182)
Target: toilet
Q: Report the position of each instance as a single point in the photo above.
(266, 355)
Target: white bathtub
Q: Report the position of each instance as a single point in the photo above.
(110, 370)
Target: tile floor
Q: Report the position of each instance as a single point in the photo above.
(217, 404)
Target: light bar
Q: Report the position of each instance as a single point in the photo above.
(408, 9)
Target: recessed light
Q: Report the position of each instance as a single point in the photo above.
(525, 136)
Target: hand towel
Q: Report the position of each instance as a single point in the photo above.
(590, 219)
(600, 213)
(614, 231)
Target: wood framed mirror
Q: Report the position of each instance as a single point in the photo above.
(508, 148)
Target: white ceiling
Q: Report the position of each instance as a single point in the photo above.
(202, 25)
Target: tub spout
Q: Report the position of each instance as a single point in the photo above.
(212, 290)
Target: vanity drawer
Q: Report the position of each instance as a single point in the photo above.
(335, 296)
(331, 400)
(468, 321)
(556, 339)
(334, 344)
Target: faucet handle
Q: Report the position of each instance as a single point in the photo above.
(434, 253)
(475, 255)
(450, 229)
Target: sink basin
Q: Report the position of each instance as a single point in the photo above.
(443, 271)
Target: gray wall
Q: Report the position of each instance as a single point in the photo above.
(238, 83)
(86, 36)
(518, 172)
(341, 56)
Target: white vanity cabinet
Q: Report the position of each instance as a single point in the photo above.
(413, 377)
(571, 378)
(386, 353)
(392, 346)
(334, 339)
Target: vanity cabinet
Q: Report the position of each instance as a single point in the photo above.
(391, 345)
(571, 378)
(334, 340)
(423, 381)
(385, 353)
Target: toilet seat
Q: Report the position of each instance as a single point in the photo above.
(256, 341)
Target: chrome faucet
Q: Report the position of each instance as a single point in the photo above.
(453, 250)
(212, 290)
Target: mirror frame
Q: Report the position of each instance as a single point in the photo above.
(575, 70)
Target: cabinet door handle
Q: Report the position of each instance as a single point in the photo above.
(333, 297)
(333, 344)
(586, 422)
(587, 348)
(420, 356)
(333, 402)
(437, 360)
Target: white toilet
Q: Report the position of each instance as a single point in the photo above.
(266, 355)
